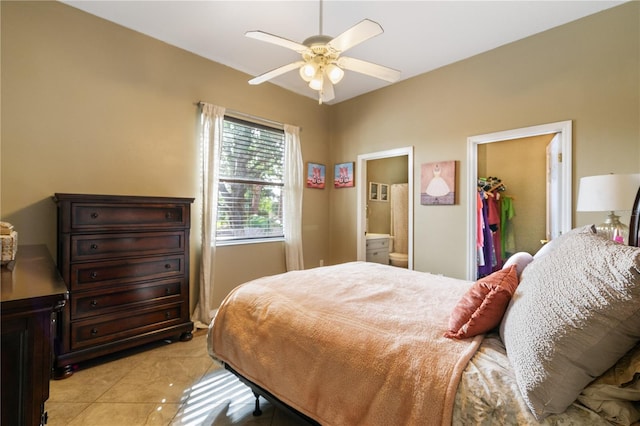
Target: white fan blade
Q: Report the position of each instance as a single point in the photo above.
(276, 72)
(369, 68)
(327, 93)
(274, 39)
(355, 35)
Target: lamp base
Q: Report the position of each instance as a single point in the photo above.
(613, 229)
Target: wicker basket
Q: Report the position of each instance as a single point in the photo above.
(9, 246)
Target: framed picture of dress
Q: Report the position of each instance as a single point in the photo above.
(343, 176)
(316, 175)
(438, 183)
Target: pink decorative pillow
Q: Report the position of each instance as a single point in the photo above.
(483, 305)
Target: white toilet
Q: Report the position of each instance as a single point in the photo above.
(400, 260)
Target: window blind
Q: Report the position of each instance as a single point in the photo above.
(251, 181)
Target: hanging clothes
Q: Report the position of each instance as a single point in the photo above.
(507, 212)
(495, 236)
(487, 249)
(479, 221)
(479, 231)
(495, 227)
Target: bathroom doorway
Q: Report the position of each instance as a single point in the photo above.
(367, 207)
(559, 182)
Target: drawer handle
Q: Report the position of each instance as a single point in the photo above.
(94, 331)
(94, 303)
(167, 315)
(94, 246)
(94, 215)
(93, 274)
(167, 266)
(168, 215)
(167, 291)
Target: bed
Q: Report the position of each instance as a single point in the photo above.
(552, 338)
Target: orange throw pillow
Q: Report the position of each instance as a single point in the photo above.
(482, 307)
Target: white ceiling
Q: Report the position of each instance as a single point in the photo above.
(419, 36)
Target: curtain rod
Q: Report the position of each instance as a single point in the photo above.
(244, 115)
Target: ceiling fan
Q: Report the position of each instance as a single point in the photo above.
(321, 64)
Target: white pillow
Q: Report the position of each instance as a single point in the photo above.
(575, 312)
(520, 259)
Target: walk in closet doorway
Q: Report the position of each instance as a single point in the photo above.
(553, 181)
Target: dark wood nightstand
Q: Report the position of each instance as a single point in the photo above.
(31, 293)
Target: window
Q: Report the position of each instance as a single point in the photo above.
(251, 181)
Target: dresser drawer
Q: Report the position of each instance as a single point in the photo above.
(108, 273)
(87, 216)
(122, 298)
(378, 243)
(93, 247)
(110, 327)
(378, 256)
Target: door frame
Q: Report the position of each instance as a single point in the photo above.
(564, 131)
(361, 193)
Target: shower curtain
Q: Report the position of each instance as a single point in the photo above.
(400, 217)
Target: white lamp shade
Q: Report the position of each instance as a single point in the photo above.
(608, 192)
(334, 73)
(317, 81)
(307, 71)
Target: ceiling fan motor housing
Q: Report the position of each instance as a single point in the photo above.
(317, 40)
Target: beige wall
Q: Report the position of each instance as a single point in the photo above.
(586, 71)
(88, 106)
(91, 107)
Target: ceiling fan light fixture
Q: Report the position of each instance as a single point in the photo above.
(322, 65)
(335, 73)
(317, 81)
(308, 71)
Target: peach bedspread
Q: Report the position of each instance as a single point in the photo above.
(351, 344)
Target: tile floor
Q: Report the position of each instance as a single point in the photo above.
(164, 384)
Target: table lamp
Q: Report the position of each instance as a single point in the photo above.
(612, 192)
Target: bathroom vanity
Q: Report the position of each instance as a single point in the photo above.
(378, 248)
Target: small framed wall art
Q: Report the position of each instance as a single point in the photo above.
(438, 183)
(316, 175)
(343, 176)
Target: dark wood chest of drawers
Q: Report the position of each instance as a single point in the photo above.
(31, 293)
(125, 260)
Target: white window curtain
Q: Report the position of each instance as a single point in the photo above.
(293, 187)
(211, 126)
